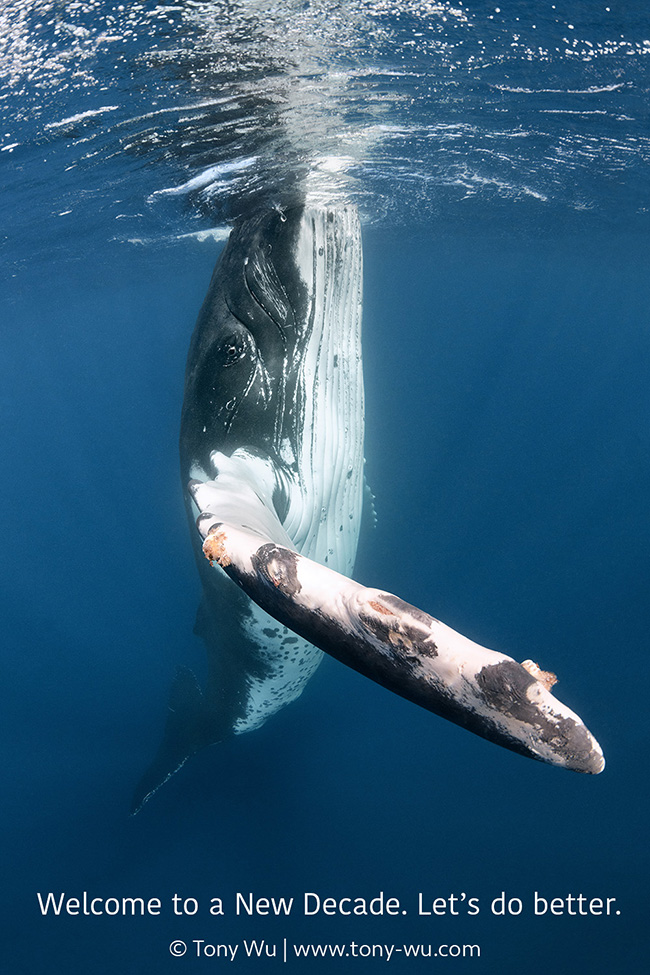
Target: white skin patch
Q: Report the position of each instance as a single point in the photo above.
(291, 660)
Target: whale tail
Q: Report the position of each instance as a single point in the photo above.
(189, 728)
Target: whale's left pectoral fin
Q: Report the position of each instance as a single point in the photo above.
(405, 649)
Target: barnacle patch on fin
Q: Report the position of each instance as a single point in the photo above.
(214, 547)
(545, 677)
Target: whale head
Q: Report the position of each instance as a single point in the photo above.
(274, 375)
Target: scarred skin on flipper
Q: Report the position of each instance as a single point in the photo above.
(407, 651)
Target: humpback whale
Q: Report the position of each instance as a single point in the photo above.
(271, 436)
(271, 449)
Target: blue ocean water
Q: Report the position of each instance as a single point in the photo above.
(499, 158)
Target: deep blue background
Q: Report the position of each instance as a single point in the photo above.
(507, 445)
(500, 165)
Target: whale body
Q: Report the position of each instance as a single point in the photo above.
(271, 435)
(272, 468)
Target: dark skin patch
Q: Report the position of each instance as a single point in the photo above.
(402, 626)
(504, 687)
(278, 566)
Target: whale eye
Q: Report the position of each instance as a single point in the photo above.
(232, 349)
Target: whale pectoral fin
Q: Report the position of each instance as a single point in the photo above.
(186, 731)
(406, 650)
